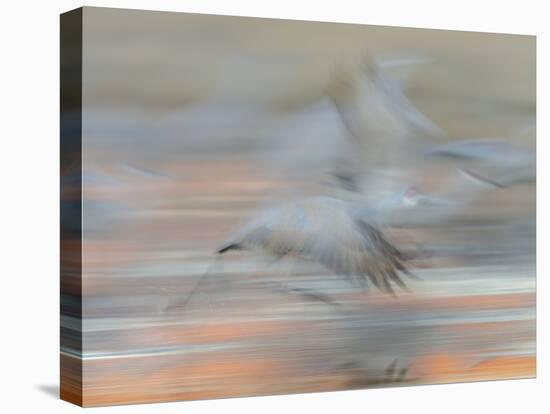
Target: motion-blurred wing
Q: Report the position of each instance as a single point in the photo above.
(349, 246)
(482, 149)
(361, 254)
(323, 229)
(492, 160)
(386, 129)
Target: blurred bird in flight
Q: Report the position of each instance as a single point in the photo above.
(391, 141)
(333, 232)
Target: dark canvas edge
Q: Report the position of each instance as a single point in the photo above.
(71, 364)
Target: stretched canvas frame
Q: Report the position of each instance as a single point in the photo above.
(178, 128)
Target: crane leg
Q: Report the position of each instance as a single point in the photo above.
(305, 293)
(309, 294)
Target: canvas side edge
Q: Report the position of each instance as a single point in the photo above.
(71, 363)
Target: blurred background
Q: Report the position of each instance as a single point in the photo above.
(192, 122)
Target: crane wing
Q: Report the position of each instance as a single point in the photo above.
(375, 110)
(363, 255)
(384, 126)
(322, 229)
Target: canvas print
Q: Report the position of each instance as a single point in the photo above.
(263, 206)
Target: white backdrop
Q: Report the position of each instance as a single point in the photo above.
(30, 247)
